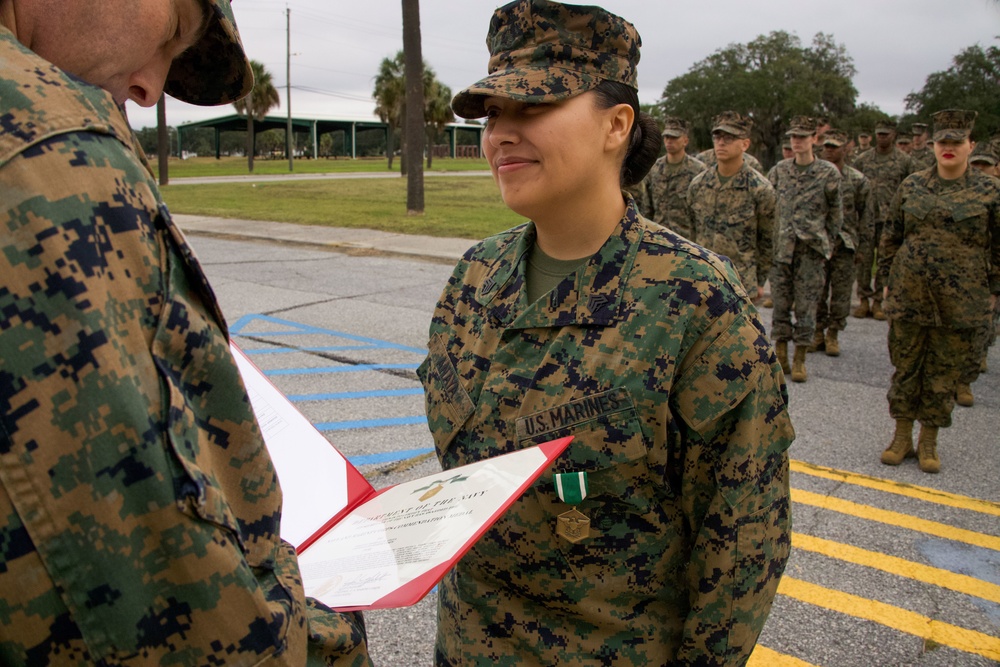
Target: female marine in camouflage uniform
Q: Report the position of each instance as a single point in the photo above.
(941, 254)
(659, 536)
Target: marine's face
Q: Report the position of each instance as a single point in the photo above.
(885, 140)
(834, 153)
(675, 145)
(123, 46)
(952, 156)
(802, 145)
(542, 154)
(728, 146)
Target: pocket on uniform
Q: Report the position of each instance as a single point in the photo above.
(918, 207)
(447, 403)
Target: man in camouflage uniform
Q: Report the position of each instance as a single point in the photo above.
(904, 141)
(139, 509)
(885, 166)
(809, 217)
(940, 257)
(864, 145)
(669, 179)
(634, 355)
(835, 299)
(708, 158)
(732, 205)
(921, 154)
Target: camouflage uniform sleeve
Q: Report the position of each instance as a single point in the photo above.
(689, 200)
(892, 233)
(733, 402)
(994, 253)
(767, 201)
(835, 205)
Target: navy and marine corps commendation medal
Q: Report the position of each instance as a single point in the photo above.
(573, 526)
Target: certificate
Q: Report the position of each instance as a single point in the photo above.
(365, 549)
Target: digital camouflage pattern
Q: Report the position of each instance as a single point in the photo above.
(953, 124)
(667, 193)
(835, 299)
(707, 158)
(735, 219)
(139, 510)
(543, 51)
(652, 357)
(923, 158)
(809, 217)
(884, 174)
(940, 257)
(216, 69)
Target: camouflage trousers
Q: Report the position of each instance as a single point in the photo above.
(797, 285)
(865, 258)
(835, 300)
(985, 337)
(929, 362)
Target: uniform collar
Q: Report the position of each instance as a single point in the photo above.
(591, 296)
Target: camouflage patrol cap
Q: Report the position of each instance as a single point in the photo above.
(885, 127)
(542, 51)
(216, 69)
(675, 127)
(864, 134)
(985, 151)
(801, 126)
(903, 137)
(733, 123)
(835, 138)
(918, 129)
(953, 124)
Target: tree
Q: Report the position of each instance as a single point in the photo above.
(972, 82)
(414, 73)
(255, 106)
(862, 119)
(389, 95)
(771, 79)
(437, 110)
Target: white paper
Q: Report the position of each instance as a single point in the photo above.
(312, 473)
(411, 529)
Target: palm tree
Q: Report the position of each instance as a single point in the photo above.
(437, 110)
(390, 97)
(261, 99)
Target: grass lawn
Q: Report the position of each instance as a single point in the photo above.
(464, 207)
(237, 166)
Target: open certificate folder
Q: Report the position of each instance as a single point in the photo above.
(365, 549)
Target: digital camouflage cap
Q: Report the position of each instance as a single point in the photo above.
(732, 123)
(885, 127)
(834, 137)
(953, 124)
(918, 129)
(675, 127)
(216, 69)
(801, 126)
(543, 51)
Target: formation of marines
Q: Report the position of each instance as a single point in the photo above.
(816, 224)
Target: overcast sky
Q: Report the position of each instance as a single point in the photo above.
(337, 45)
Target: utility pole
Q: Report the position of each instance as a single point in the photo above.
(162, 139)
(288, 87)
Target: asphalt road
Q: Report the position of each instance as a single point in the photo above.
(890, 566)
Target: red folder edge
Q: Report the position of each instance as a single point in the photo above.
(414, 591)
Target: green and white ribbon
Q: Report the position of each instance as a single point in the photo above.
(571, 487)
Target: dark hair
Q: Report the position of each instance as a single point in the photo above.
(644, 141)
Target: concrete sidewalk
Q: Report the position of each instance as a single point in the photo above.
(447, 250)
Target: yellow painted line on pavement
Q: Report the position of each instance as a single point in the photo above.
(935, 576)
(897, 519)
(891, 616)
(765, 657)
(899, 488)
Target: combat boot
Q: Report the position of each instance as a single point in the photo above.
(862, 311)
(768, 302)
(963, 395)
(781, 351)
(877, 311)
(901, 446)
(819, 342)
(832, 344)
(927, 457)
(799, 364)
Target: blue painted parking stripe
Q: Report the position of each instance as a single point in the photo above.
(387, 457)
(370, 423)
(376, 393)
(338, 369)
(332, 348)
(297, 328)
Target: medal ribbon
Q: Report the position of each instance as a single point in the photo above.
(571, 487)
